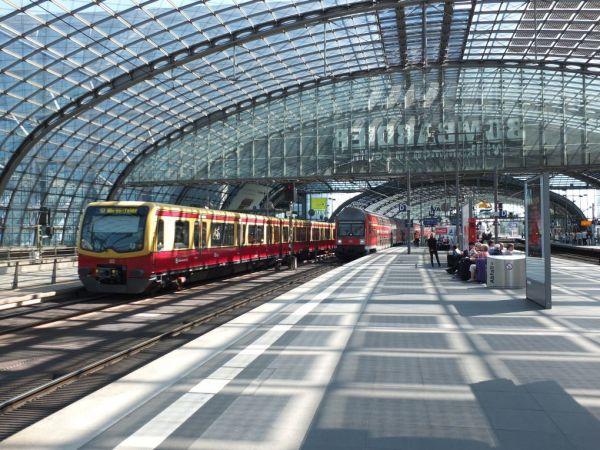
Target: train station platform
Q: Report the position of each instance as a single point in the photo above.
(37, 281)
(381, 353)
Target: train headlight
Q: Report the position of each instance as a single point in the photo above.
(339, 241)
(362, 242)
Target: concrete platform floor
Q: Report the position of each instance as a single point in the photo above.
(383, 353)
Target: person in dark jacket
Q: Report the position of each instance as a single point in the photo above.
(432, 244)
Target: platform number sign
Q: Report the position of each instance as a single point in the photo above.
(402, 207)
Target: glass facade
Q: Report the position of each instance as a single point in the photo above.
(95, 93)
(436, 120)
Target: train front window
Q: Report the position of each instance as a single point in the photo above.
(114, 228)
(351, 229)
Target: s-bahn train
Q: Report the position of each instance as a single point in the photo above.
(360, 232)
(132, 247)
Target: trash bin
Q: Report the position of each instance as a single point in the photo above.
(506, 272)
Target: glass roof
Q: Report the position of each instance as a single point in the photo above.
(89, 85)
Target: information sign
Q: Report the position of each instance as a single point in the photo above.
(537, 244)
(430, 222)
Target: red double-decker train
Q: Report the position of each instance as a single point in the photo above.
(132, 247)
(360, 232)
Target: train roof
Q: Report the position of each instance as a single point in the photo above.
(207, 211)
(352, 213)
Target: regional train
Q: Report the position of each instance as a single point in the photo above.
(133, 247)
(360, 232)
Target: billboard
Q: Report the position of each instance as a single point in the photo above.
(537, 243)
(318, 204)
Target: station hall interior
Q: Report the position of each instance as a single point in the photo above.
(300, 224)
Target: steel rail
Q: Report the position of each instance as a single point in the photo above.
(34, 393)
(50, 320)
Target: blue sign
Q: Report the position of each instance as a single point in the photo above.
(402, 207)
(430, 222)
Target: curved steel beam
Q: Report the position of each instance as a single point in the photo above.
(486, 183)
(590, 180)
(278, 94)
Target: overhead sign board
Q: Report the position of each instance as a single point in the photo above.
(402, 207)
(430, 222)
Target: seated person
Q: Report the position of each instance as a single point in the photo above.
(495, 250)
(482, 254)
(510, 249)
(501, 248)
(453, 259)
(462, 269)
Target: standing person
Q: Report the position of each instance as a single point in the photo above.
(432, 244)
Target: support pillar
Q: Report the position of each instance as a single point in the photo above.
(496, 205)
(459, 230)
(408, 208)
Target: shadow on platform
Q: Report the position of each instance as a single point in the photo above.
(505, 416)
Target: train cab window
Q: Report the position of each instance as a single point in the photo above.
(197, 235)
(351, 229)
(182, 234)
(160, 235)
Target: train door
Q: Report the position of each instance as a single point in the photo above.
(277, 238)
(197, 240)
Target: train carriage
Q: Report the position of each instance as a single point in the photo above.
(360, 232)
(130, 247)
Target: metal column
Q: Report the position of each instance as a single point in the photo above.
(459, 221)
(408, 208)
(496, 205)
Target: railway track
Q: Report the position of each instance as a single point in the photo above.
(49, 313)
(561, 251)
(23, 407)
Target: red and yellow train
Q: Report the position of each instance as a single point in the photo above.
(132, 247)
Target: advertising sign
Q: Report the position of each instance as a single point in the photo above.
(318, 204)
(537, 245)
